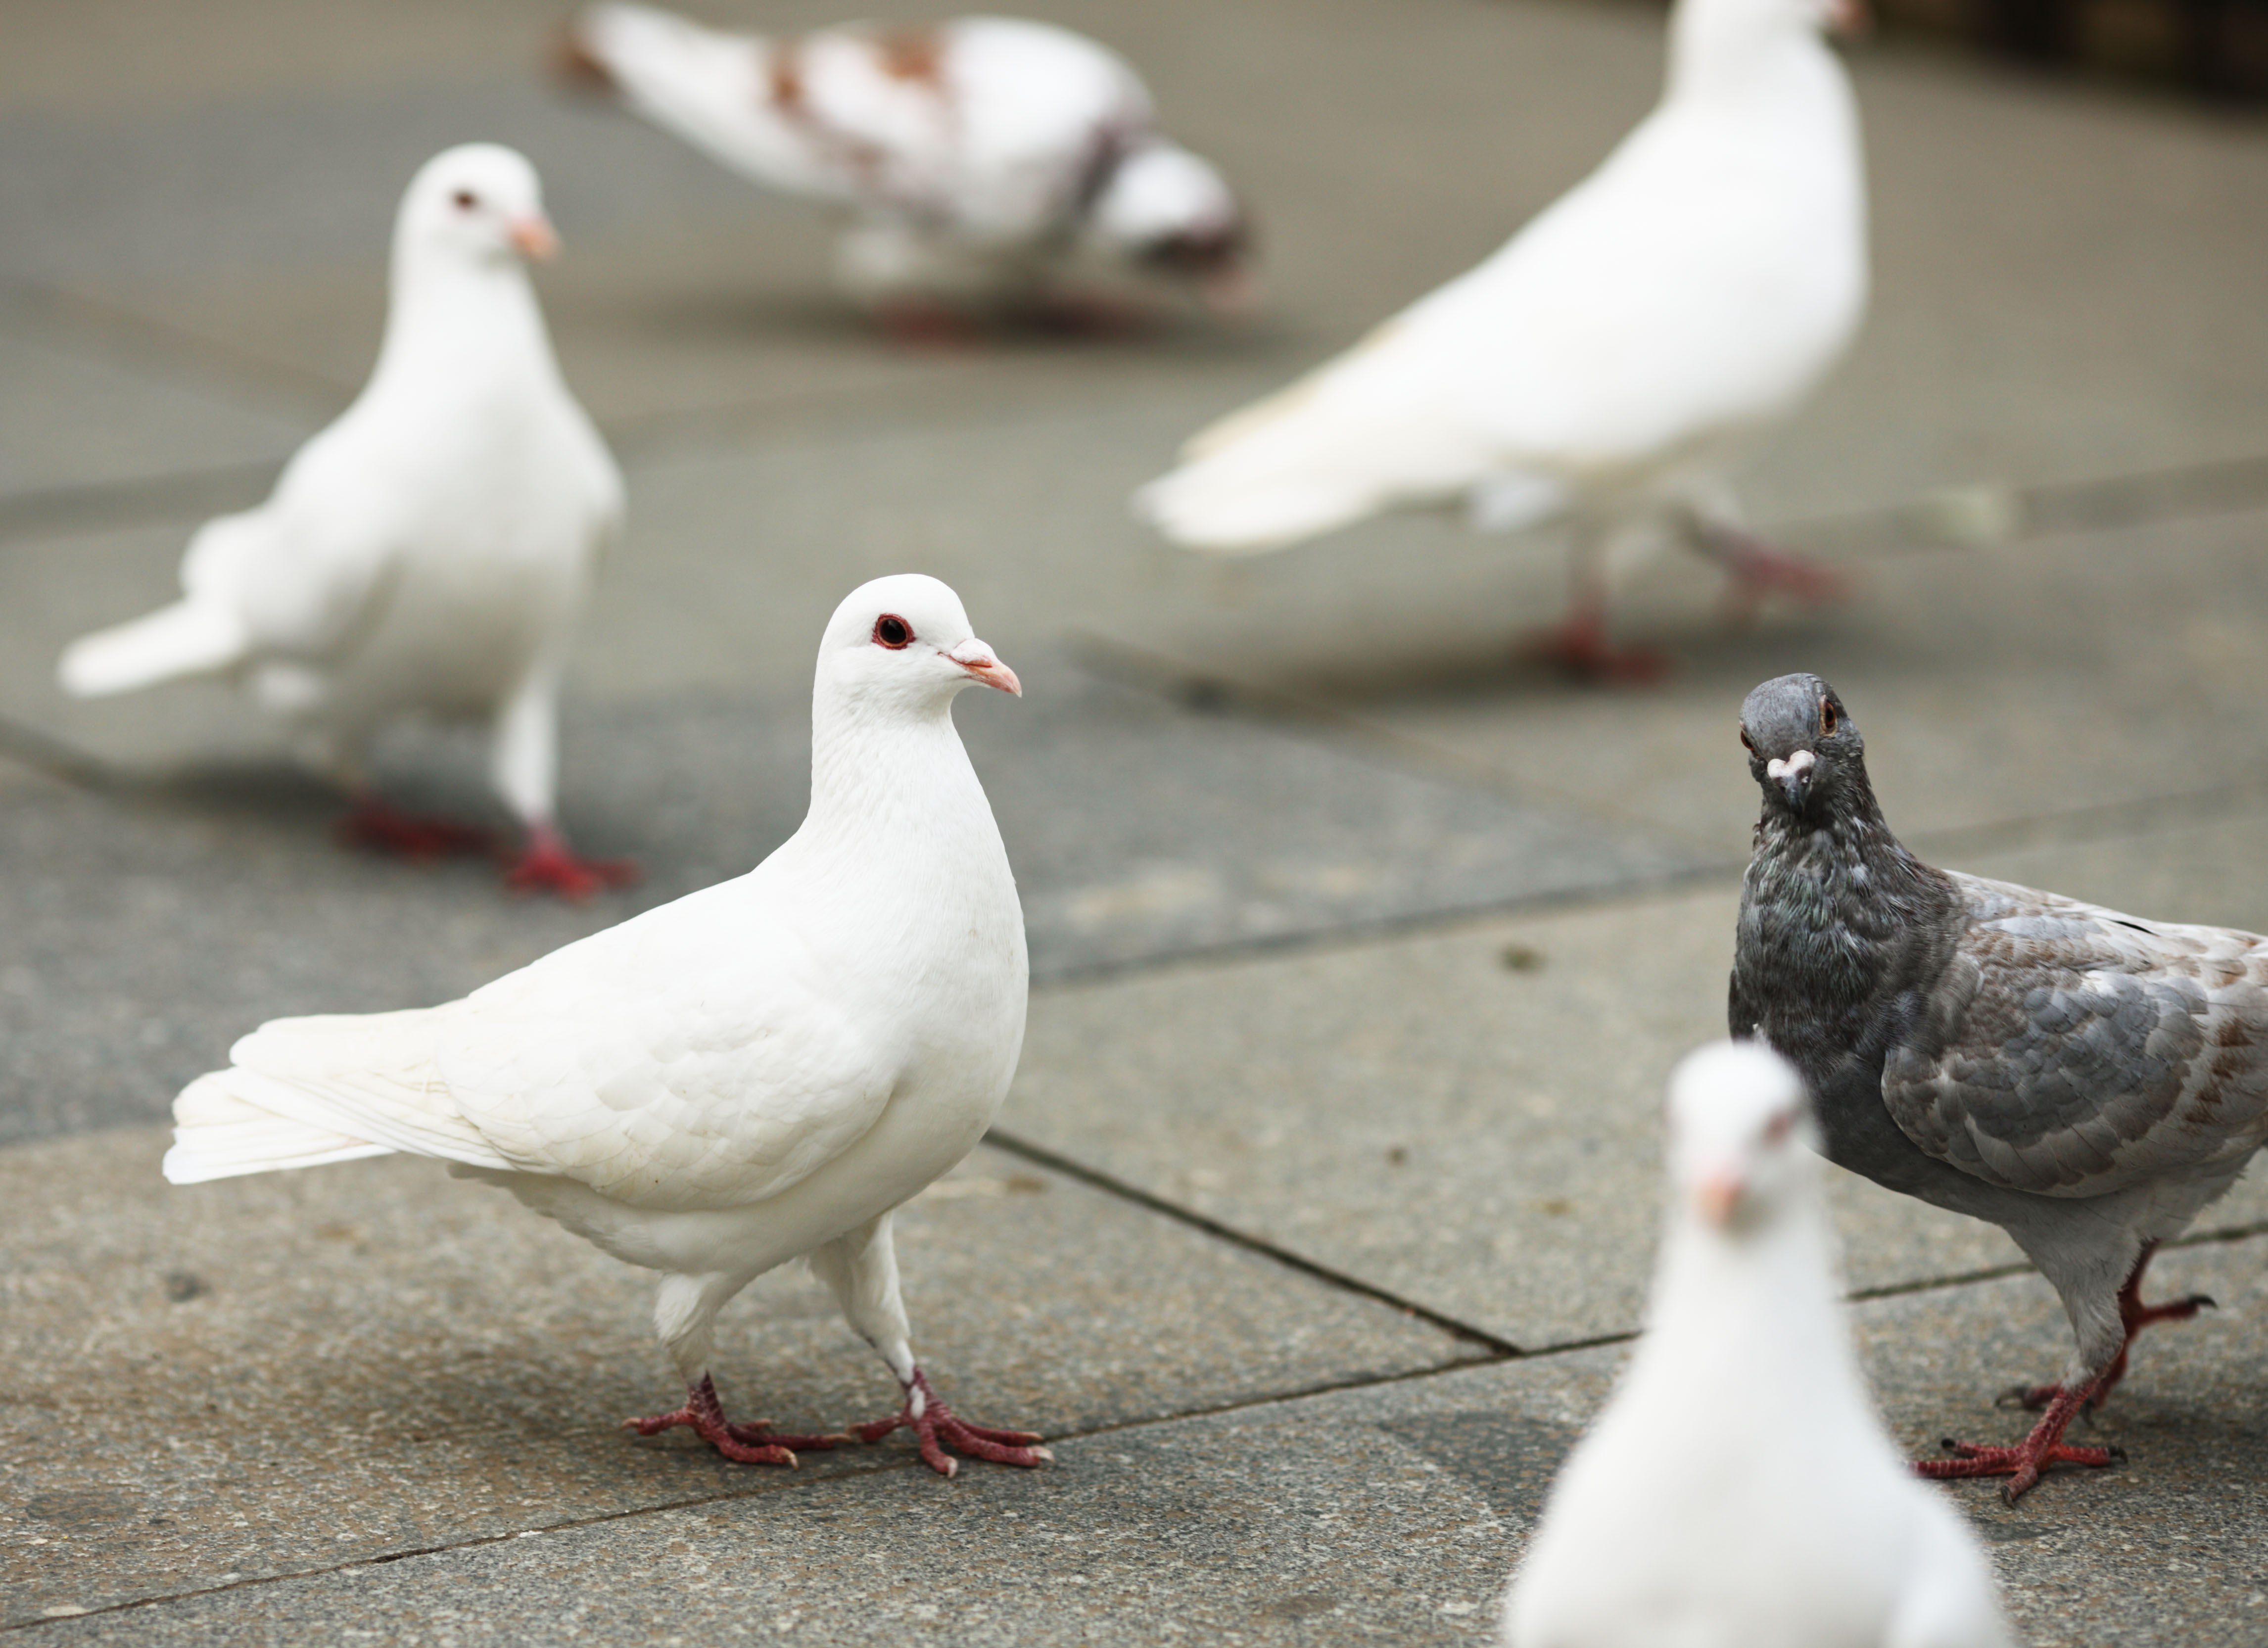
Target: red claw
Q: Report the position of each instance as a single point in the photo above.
(548, 865)
(936, 1427)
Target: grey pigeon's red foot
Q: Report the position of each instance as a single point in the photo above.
(2022, 1464)
(743, 1444)
(936, 1427)
(1758, 570)
(1577, 644)
(379, 827)
(2136, 1316)
(548, 865)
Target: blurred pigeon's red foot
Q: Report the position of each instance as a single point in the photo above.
(2022, 1464)
(755, 1443)
(549, 866)
(923, 323)
(379, 827)
(1577, 644)
(1759, 571)
(937, 1428)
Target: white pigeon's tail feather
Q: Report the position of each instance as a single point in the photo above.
(217, 1135)
(302, 1092)
(190, 637)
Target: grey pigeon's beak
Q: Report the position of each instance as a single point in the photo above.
(984, 666)
(1794, 776)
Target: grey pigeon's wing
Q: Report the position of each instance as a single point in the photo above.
(2072, 1051)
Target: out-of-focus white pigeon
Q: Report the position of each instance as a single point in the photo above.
(979, 158)
(428, 554)
(760, 1070)
(1739, 1490)
(1610, 359)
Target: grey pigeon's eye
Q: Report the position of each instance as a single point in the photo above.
(466, 200)
(892, 631)
(1828, 719)
(1745, 744)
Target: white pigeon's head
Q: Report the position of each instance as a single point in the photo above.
(1741, 1139)
(481, 202)
(1169, 211)
(905, 643)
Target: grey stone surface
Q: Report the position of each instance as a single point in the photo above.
(270, 1375)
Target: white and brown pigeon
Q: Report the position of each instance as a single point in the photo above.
(983, 161)
(2088, 1080)
(760, 1072)
(1611, 360)
(1740, 1489)
(428, 554)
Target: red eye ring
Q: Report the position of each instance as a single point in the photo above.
(1745, 744)
(466, 200)
(1828, 719)
(893, 632)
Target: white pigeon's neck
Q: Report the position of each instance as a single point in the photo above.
(1737, 58)
(897, 789)
(471, 321)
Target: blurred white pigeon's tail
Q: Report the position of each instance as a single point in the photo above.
(190, 637)
(703, 86)
(217, 1135)
(301, 1092)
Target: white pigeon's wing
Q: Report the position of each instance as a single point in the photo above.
(1689, 288)
(680, 1059)
(2071, 1050)
(1948, 1599)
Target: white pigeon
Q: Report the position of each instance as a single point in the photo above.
(1606, 362)
(1739, 1490)
(979, 159)
(428, 552)
(761, 1071)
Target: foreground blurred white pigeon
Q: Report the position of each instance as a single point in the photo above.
(2089, 1081)
(759, 1072)
(1610, 358)
(980, 159)
(426, 554)
(1740, 1491)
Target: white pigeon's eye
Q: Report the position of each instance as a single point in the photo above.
(1780, 1127)
(466, 200)
(892, 631)
(1828, 719)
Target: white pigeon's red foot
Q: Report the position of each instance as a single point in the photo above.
(1759, 571)
(755, 1443)
(2136, 1316)
(1101, 315)
(378, 827)
(936, 1427)
(2022, 1464)
(925, 324)
(1577, 644)
(549, 866)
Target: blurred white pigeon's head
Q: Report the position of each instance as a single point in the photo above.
(905, 642)
(480, 200)
(1166, 210)
(1741, 1134)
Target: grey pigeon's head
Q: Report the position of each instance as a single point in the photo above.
(1804, 750)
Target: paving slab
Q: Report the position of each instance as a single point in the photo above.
(295, 1370)
(1393, 1512)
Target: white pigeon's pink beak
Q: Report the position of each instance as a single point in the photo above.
(1718, 1197)
(982, 663)
(534, 238)
(1851, 19)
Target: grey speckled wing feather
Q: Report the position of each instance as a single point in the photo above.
(2073, 1051)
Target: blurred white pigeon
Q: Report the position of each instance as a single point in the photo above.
(428, 554)
(1610, 359)
(982, 159)
(1740, 1491)
(760, 1070)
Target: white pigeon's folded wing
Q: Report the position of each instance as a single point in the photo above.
(2070, 1051)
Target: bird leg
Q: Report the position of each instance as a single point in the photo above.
(1758, 570)
(2135, 1315)
(1577, 644)
(936, 1427)
(754, 1444)
(1107, 316)
(548, 865)
(381, 828)
(2022, 1464)
(925, 324)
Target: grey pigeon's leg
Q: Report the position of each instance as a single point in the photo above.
(862, 1268)
(2135, 1316)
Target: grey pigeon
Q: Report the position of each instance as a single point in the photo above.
(2087, 1081)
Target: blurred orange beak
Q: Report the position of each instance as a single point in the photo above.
(534, 238)
(1849, 20)
(1718, 1198)
(1232, 293)
(982, 667)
